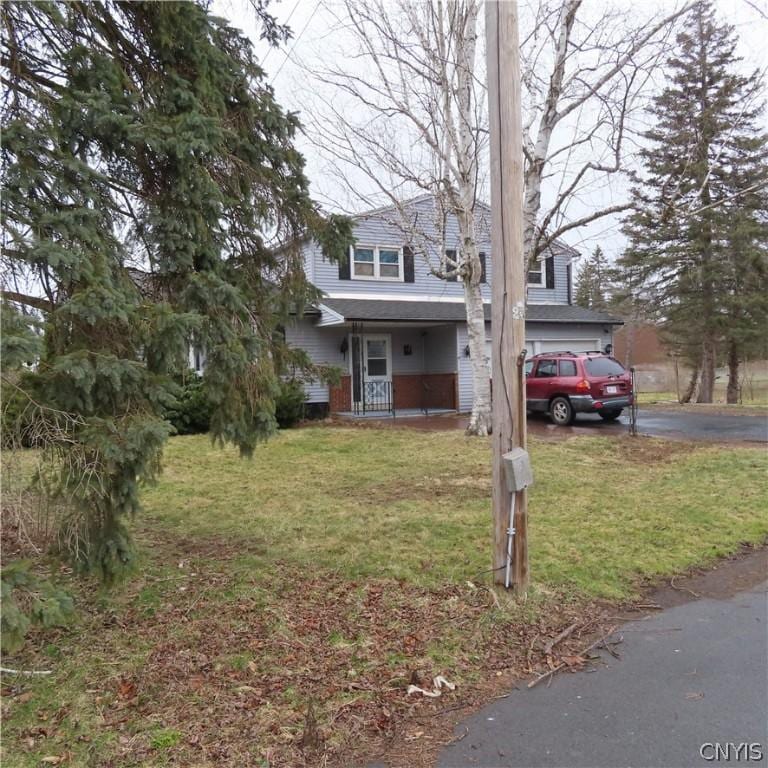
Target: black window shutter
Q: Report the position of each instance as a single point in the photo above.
(452, 256)
(482, 267)
(409, 271)
(550, 264)
(568, 278)
(344, 264)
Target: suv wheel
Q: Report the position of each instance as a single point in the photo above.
(610, 415)
(561, 411)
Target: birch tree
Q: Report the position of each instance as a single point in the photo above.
(413, 80)
(404, 111)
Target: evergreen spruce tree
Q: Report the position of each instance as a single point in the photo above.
(141, 139)
(698, 233)
(592, 283)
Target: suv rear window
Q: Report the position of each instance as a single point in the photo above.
(604, 366)
(567, 368)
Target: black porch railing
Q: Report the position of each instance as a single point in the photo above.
(373, 396)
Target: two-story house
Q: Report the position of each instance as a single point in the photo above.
(399, 333)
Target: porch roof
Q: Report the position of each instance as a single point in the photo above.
(453, 311)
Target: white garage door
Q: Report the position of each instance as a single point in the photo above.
(567, 345)
(563, 345)
(528, 345)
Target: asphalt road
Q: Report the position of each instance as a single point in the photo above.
(693, 675)
(669, 423)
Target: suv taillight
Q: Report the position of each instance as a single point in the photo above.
(583, 386)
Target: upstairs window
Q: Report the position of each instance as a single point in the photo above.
(536, 274)
(363, 262)
(377, 263)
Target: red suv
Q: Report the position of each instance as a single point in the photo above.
(566, 383)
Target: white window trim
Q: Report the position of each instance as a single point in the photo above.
(376, 264)
(542, 280)
(386, 337)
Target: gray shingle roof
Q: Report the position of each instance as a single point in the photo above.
(453, 311)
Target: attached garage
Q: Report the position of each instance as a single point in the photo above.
(548, 328)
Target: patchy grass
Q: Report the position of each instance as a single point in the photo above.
(414, 505)
(332, 569)
(756, 397)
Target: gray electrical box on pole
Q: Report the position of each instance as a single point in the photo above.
(517, 468)
(519, 475)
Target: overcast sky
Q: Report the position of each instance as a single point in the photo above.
(315, 28)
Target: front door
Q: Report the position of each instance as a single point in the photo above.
(372, 372)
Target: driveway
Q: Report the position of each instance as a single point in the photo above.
(659, 422)
(667, 423)
(690, 677)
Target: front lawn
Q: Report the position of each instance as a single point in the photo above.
(311, 584)
(415, 505)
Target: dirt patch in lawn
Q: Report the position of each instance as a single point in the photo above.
(729, 575)
(456, 489)
(651, 450)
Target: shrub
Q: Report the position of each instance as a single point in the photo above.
(289, 405)
(192, 413)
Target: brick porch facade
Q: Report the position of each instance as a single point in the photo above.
(421, 390)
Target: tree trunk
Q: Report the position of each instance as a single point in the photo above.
(693, 386)
(732, 392)
(630, 340)
(480, 420)
(707, 381)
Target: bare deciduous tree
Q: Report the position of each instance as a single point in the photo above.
(412, 81)
(404, 110)
(586, 77)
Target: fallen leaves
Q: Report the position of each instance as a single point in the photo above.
(228, 673)
(126, 689)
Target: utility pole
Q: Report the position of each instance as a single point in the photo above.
(509, 281)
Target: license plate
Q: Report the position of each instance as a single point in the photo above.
(611, 390)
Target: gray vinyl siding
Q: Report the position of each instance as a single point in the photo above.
(323, 345)
(381, 230)
(441, 351)
(402, 363)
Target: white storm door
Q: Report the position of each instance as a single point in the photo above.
(377, 357)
